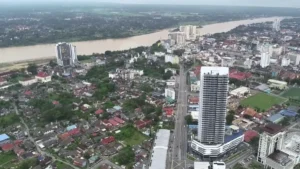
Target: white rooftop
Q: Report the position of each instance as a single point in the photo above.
(201, 165)
(160, 149)
(214, 70)
(239, 91)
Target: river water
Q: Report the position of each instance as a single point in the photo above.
(14, 54)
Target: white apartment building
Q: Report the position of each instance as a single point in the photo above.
(178, 37)
(265, 59)
(170, 93)
(172, 58)
(195, 87)
(285, 61)
(66, 54)
(190, 31)
(294, 57)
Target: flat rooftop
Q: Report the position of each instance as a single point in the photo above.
(272, 128)
(280, 157)
(234, 135)
(160, 149)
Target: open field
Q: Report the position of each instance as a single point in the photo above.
(293, 93)
(7, 158)
(131, 136)
(261, 101)
(135, 139)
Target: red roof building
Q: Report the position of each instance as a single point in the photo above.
(28, 93)
(99, 111)
(117, 119)
(249, 135)
(106, 123)
(194, 100)
(107, 140)
(235, 74)
(7, 147)
(42, 74)
(140, 124)
(64, 136)
(74, 132)
(113, 122)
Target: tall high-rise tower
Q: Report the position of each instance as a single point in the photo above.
(213, 100)
(66, 54)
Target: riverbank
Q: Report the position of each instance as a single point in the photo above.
(43, 51)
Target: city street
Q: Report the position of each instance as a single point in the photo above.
(179, 147)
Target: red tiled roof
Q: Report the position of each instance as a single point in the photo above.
(64, 136)
(42, 74)
(107, 140)
(18, 142)
(55, 102)
(235, 74)
(117, 119)
(113, 122)
(99, 111)
(251, 112)
(249, 135)
(7, 147)
(167, 109)
(74, 131)
(28, 92)
(194, 99)
(142, 123)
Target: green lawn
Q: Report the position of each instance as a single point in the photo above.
(7, 157)
(61, 165)
(261, 101)
(131, 136)
(293, 93)
(135, 139)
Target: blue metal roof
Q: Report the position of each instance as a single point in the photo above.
(229, 138)
(275, 118)
(71, 127)
(288, 113)
(3, 137)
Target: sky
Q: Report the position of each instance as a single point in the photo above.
(267, 3)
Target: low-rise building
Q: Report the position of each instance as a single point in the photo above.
(43, 77)
(28, 81)
(277, 84)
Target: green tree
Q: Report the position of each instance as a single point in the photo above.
(179, 52)
(229, 119)
(52, 64)
(32, 68)
(167, 75)
(87, 155)
(125, 156)
(188, 119)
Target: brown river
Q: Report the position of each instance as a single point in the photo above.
(42, 51)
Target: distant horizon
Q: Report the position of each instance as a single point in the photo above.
(230, 3)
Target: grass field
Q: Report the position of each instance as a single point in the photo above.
(135, 139)
(293, 93)
(261, 101)
(7, 157)
(131, 136)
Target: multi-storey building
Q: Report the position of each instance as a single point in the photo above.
(66, 54)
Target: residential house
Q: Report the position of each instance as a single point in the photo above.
(140, 124)
(28, 81)
(80, 162)
(43, 77)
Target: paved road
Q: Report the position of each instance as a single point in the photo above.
(239, 158)
(37, 147)
(179, 147)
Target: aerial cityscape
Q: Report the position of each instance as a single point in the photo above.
(144, 86)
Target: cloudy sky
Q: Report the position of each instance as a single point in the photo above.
(271, 3)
